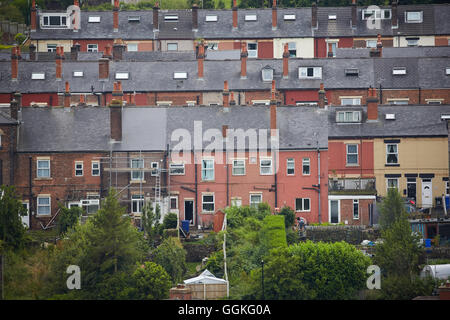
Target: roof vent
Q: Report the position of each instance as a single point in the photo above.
(390, 116)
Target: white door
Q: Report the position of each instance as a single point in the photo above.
(427, 194)
(26, 218)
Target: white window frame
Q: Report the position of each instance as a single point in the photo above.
(267, 74)
(211, 18)
(92, 47)
(132, 47)
(51, 47)
(387, 183)
(208, 202)
(94, 19)
(59, 26)
(290, 165)
(355, 116)
(289, 17)
(38, 76)
(180, 75)
(172, 44)
(79, 166)
(176, 166)
(171, 17)
(154, 165)
(398, 101)
(261, 167)
(237, 166)
(78, 74)
(39, 206)
(303, 205)
(206, 169)
(176, 202)
(251, 17)
(399, 71)
(254, 204)
(236, 202)
(41, 169)
(97, 163)
(122, 75)
(347, 154)
(306, 162)
(137, 175)
(389, 153)
(303, 73)
(355, 201)
(252, 53)
(408, 20)
(137, 200)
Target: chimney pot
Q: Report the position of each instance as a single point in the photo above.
(115, 113)
(372, 105)
(200, 60)
(33, 21)
(235, 15)
(244, 55)
(274, 15)
(354, 14)
(195, 16)
(322, 96)
(286, 61)
(67, 96)
(155, 17)
(14, 64)
(225, 94)
(116, 15)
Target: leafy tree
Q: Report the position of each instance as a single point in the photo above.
(289, 216)
(12, 230)
(392, 209)
(170, 221)
(172, 257)
(151, 282)
(150, 222)
(322, 271)
(68, 218)
(273, 233)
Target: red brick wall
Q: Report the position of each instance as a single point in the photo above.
(347, 211)
(5, 155)
(265, 49)
(337, 159)
(150, 98)
(320, 46)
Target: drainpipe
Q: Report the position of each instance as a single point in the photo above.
(30, 185)
(318, 180)
(196, 191)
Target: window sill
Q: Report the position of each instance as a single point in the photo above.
(207, 181)
(138, 181)
(43, 179)
(207, 212)
(392, 165)
(302, 210)
(352, 165)
(43, 215)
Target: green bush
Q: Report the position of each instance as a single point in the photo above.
(172, 257)
(170, 221)
(273, 233)
(289, 216)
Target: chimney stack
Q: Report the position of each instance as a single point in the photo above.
(58, 60)
(235, 15)
(314, 24)
(354, 14)
(103, 64)
(330, 50)
(225, 94)
(322, 96)
(118, 49)
(14, 108)
(232, 101)
(14, 63)
(82, 100)
(394, 20)
(244, 55)
(286, 61)
(372, 105)
(194, 17)
(33, 15)
(273, 111)
(155, 17)
(115, 112)
(32, 49)
(274, 15)
(201, 59)
(378, 52)
(116, 16)
(67, 96)
(74, 51)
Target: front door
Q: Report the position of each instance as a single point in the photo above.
(189, 210)
(411, 186)
(334, 211)
(26, 218)
(427, 194)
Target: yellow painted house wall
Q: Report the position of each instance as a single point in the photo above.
(415, 155)
(41, 45)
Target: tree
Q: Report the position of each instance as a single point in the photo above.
(151, 282)
(172, 257)
(150, 222)
(289, 216)
(322, 271)
(68, 218)
(392, 208)
(12, 230)
(170, 221)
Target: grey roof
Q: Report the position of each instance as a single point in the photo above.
(223, 54)
(55, 129)
(299, 128)
(261, 28)
(5, 118)
(180, 29)
(410, 121)
(150, 76)
(426, 27)
(159, 56)
(441, 19)
(395, 52)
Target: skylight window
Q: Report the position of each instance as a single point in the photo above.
(122, 75)
(351, 72)
(211, 18)
(289, 17)
(38, 76)
(250, 17)
(78, 74)
(399, 71)
(413, 16)
(332, 17)
(94, 19)
(180, 75)
(134, 19)
(171, 17)
(447, 71)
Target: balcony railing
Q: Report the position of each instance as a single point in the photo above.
(352, 186)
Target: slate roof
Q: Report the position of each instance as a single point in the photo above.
(395, 52)
(410, 121)
(147, 76)
(441, 19)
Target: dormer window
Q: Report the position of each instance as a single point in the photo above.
(54, 21)
(348, 116)
(332, 17)
(267, 73)
(289, 17)
(250, 17)
(211, 18)
(134, 19)
(180, 75)
(399, 71)
(38, 76)
(122, 75)
(94, 19)
(413, 16)
(310, 73)
(376, 14)
(171, 17)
